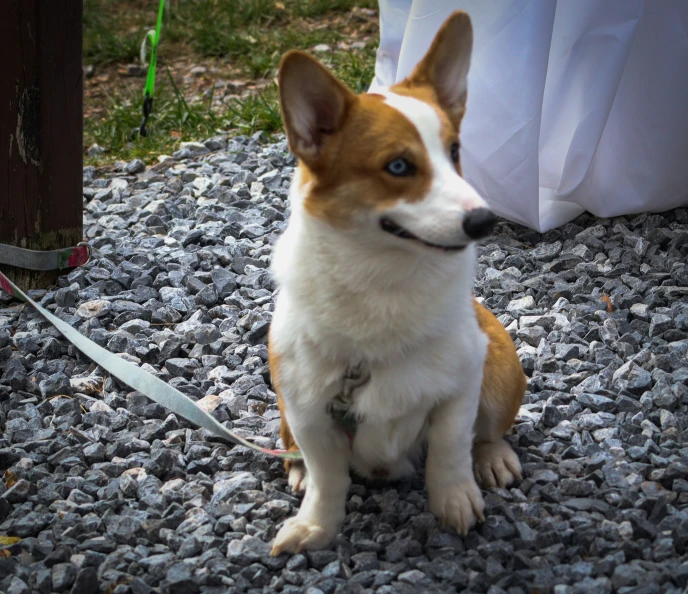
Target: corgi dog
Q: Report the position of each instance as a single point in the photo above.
(378, 350)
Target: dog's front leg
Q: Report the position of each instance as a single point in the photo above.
(326, 453)
(454, 496)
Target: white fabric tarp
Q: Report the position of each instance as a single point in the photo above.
(573, 105)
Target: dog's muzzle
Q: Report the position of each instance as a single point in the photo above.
(389, 226)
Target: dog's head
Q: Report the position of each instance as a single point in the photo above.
(386, 166)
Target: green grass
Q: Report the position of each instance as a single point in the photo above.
(107, 37)
(356, 68)
(219, 27)
(114, 29)
(259, 111)
(175, 120)
(316, 8)
(251, 35)
(234, 27)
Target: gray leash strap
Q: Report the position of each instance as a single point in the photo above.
(45, 260)
(135, 377)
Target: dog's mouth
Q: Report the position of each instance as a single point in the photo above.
(389, 226)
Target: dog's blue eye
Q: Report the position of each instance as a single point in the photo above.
(400, 167)
(455, 152)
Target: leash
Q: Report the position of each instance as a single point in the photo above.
(140, 380)
(149, 91)
(45, 260)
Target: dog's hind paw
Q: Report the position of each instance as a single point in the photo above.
(298, 535)
(298, 479)
(495, 464)
(458, 506)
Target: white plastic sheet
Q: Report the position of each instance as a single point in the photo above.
(573, 105)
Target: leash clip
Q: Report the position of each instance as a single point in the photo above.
(339, 408)
(147, 108)
(89, 252)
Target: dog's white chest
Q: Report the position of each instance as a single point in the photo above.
(387, 450)
(394, 406)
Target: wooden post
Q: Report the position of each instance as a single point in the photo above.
(41, 163)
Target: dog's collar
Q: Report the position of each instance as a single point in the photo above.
(339, 409)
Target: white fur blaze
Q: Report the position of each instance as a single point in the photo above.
(439, 217)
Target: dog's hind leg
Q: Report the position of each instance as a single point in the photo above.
(494, 462)
(295, 469)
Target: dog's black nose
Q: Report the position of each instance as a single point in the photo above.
(479, 223)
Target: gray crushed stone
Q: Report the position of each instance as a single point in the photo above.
(113, 494)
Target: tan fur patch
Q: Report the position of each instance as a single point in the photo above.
(351, 178)
(504, 383)
(288, 441)
(444, 68)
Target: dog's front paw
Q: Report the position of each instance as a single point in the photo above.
(298, 534)
(458, 506)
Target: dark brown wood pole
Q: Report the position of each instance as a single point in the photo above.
(41, 129)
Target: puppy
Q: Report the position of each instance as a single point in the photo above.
(378, 350)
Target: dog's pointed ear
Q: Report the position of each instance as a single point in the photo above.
(314, 104)
(445, 66)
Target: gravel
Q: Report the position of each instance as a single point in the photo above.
(109, 492)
